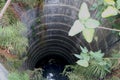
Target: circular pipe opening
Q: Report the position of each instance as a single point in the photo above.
(52, 59)
(53, 65)
(50, 47)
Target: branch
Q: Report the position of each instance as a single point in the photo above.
(110, 29)
(4, 8)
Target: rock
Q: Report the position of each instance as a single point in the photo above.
(3, 73)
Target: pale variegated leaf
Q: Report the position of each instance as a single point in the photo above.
(78, 56)
(88, 34)
(92, 23)
(83, 63)
(109, 11)
(84, 13)
(76, 28)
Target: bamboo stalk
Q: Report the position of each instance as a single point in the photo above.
(4, 8)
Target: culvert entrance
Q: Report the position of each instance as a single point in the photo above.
(48, 33)
(49, 43)
(51, 59)
(53, 65)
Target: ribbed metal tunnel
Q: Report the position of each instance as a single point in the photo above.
(48, 33)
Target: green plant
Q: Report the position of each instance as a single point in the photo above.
(18, 76)
(94, 66)
(26, 75)
(112, 8)
(13, 37)
(6, 15)
(77, 73)
(93, 63)
(85, 24)
(111, 13)
(2, 3)
(37, 75)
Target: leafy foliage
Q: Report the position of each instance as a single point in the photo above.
(26, 75)
(112, 8)
(84, 14)
(85, 24)
(13, 38)
(37, 75)
(2, 2)
(9, 17)
(93, 64)
(89, 31)
(109, 11)
(91, 23)
(95, 67)
(76, 28)
(118, 4)
(18, 76)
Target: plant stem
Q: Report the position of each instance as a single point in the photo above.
(4, 8)
(108, 29)
(111, 58)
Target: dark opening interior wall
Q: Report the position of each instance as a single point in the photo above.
(61, 60)
(48, 33)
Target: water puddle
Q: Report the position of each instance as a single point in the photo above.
(53, 71)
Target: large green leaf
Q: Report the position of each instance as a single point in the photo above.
(84, 50)
(83, 63)
(84, 13)
(97, 55)
(88, 34)
(109, 11)
(78, 56)
(76, 28)
(92, 23)
(118, 4)
(85, 56)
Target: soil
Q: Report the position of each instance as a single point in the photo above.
(6, 55)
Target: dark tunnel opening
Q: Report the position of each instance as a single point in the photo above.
(52, 58)
(53, 66)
